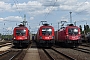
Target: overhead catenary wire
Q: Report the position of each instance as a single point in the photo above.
(15, 2)
(48, 9)
(81, 5)
(78, 12)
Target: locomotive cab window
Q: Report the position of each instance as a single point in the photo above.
(46, 31)
(20, 32)
(73, 31)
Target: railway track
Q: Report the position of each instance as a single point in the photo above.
(4, 52)
(9, 55)
(5, 44)
(53, 54)
(13, 54)
(86, 45)
(82, 50)
(4, 48)
(49, 56)
(67, 56)
(65, 53)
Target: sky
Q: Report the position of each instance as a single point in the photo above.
(53, 11)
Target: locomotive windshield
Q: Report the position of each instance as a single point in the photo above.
(73, 31)
(20, 32)
(46, 31)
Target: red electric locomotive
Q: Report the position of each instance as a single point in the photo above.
(21, 36)
(45, 36)
(69, 36)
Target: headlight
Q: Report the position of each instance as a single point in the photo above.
(25, 37)
(79, 37)
(67, 37)
(14, 38)
(52, 37)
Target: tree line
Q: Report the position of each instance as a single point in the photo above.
(86, 29)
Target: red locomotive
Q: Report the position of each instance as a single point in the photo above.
(69, 35)
(45, 36)
(21, 36)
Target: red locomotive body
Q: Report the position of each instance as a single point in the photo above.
(21, 36)
(69, 35)
(45, 36)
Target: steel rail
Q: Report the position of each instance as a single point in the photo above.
(69, 57)
(16, 55)
(82, 50)
(5, 52)
(50, 57)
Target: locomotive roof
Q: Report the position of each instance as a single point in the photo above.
(72, 26)
(23, 27)
(45, 27)
(68, 27)
(46, 24)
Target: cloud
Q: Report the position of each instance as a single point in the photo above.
(12, 19)
(30, 6)
(5, 0)
(31, 18)
(1, 19)
(5, 6)
(35, 8)
(45, 6)
(9, 28)
(83, 7)
(63, 19)
(75, 6)
(48, 3)
(38, 7)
